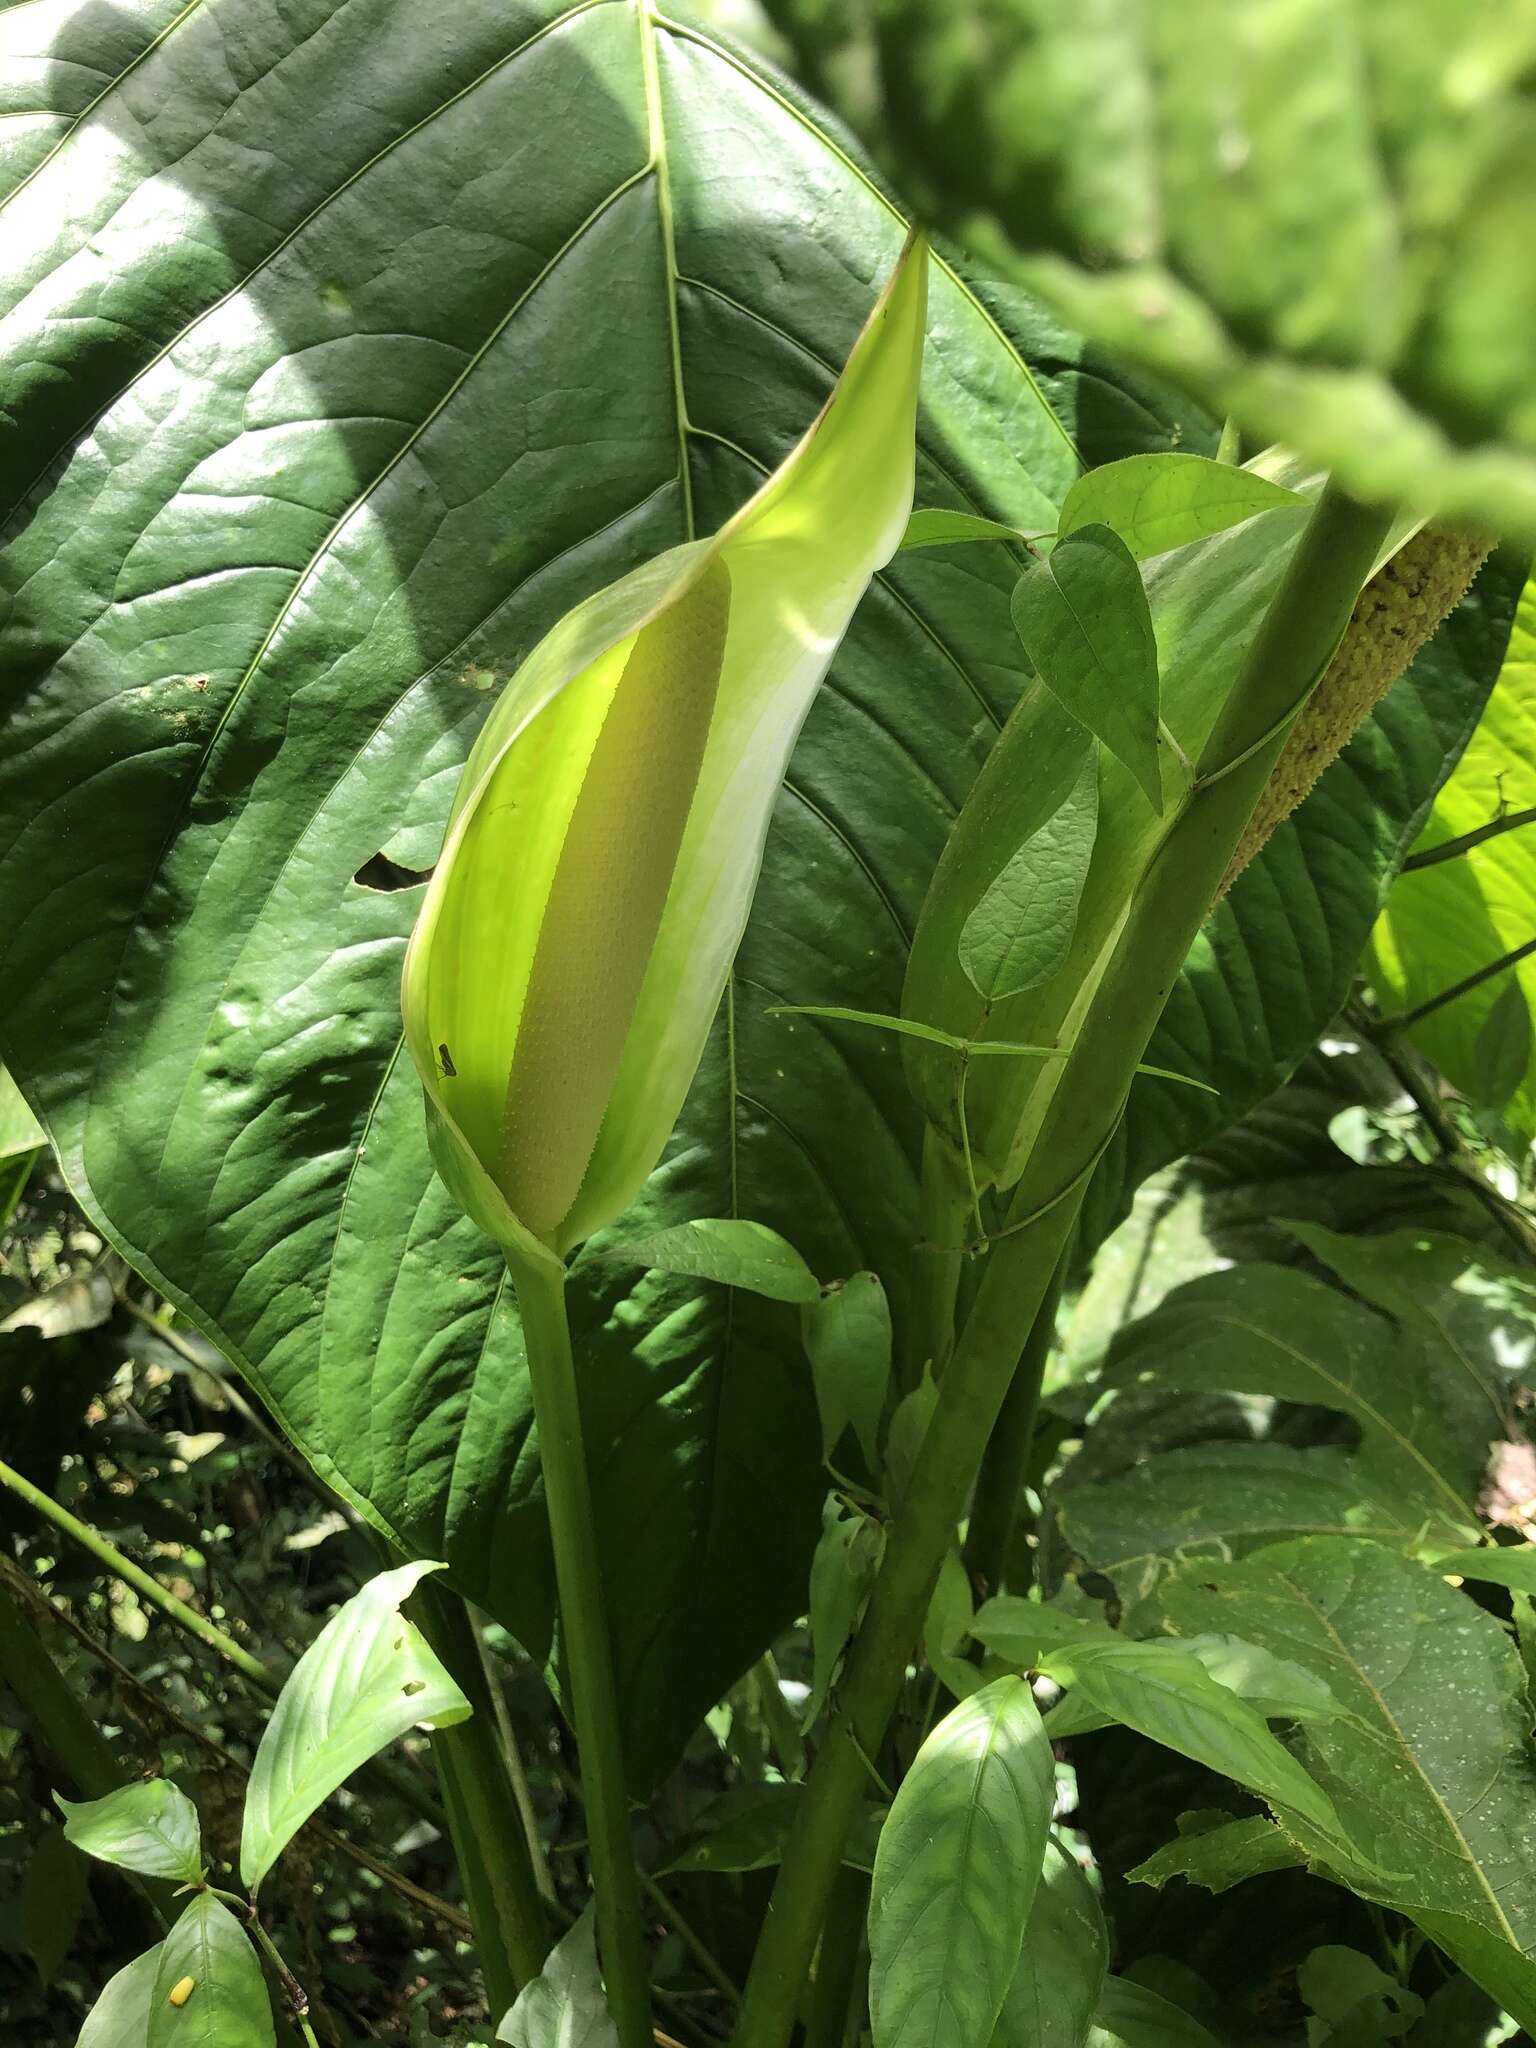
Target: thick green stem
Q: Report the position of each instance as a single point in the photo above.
(588, 1652)
(943, 1217)
(512, 1930)
(1295, 642)
(995, 1505)
(837, 1962)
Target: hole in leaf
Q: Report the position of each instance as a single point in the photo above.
(384, 876)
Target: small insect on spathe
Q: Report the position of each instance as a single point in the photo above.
(182, 1990)
(445, 1067)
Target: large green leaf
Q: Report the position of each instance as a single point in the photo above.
(1217, 1500)
(366, 1678)
(1432, 1773)
(564, 2006)
(288, 510)
(151, 1827)
(120, 2016)
(1270, 1331)
(955, 1874)
(1061, 1967)
(209, 1991)
(1447, 920)
(1314, 214)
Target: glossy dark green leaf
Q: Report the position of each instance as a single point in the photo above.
(344, 449)
(53, 1898)
(1157, 502)
(366, 1678)
(1131, 2016)
(226, 2003)
(1056, 1987)
(728, 1250)
(1432, 1773)
(120, 2016)
(564, 2006)
(1311, 215)
(152, 1828)
(1087, 629)
(1222, 1499)
(847, 1336)
(1021, 930)
(1215, 1851)
(956, 1871)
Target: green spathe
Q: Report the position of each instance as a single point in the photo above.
(609, 824)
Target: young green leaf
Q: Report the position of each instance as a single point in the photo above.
(152, 1828)
(53, 1897)
(1060, 1975)
(365, 1679)
(956, 1872)
(573, 946)
(1021, 930)
(846, 1331)
(208, 1990)
(1131, 2016)
(564, 2006)
(947, 1626)
(1157, 502)
(1216, 1851)
(1170, 1697)
(1086, 626)
(120, 2017)
(1023, 1631)
(937, 529)
(1493, 1564)
(726, 1249)
(1272, 1686)
(904, 1439)
(842, 1572)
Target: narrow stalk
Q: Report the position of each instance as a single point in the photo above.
(517, 1772)
(112, 1560)
(588, 1651)
(1453, 849)
(1294, 644)
(995, 1504)
(837, 1962)
(1468, 982)
(692, 1940)
(512, 1928)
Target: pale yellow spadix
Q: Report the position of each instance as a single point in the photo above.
(607, 832)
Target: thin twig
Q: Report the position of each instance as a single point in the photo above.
(1452, 849)
(1408, 1018)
